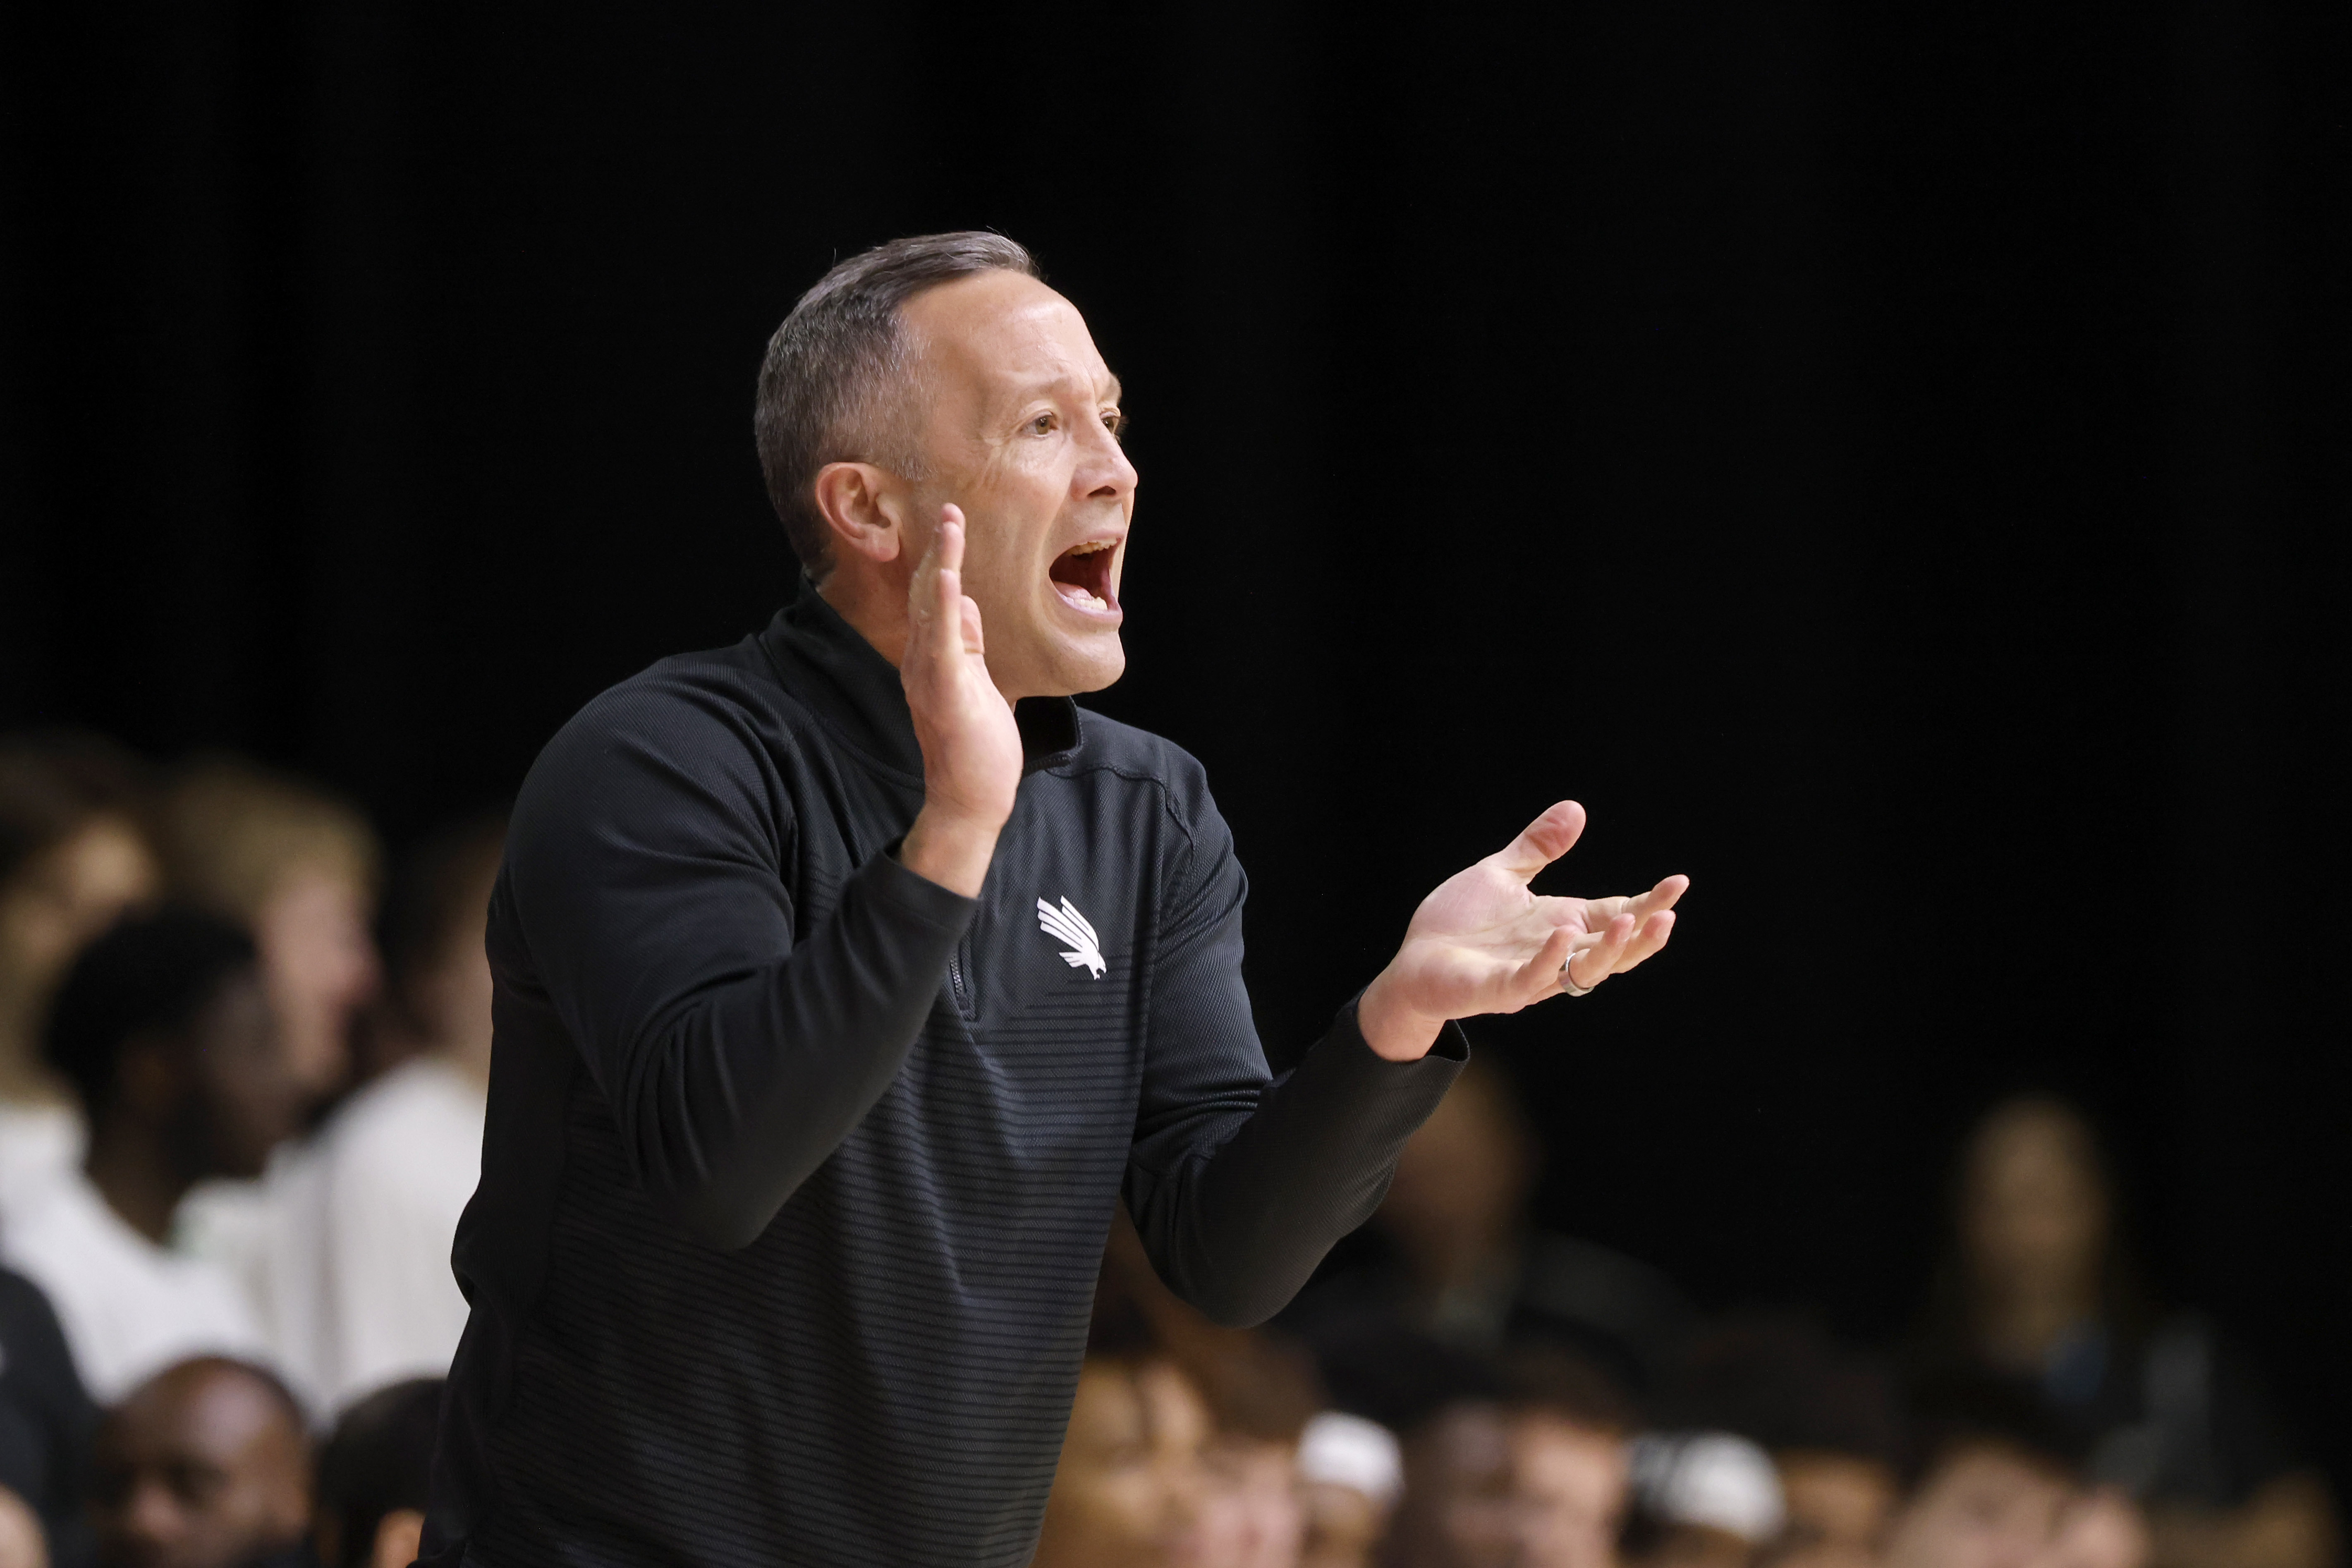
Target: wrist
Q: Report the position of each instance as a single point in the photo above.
(1395, 1032)
(950, 849)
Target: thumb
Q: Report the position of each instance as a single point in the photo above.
(1543, 841)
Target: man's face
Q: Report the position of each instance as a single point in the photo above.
(1252, 1515)
(321, 965)
(202, 1467)
(1021, 432)
(247, 1097)
(1983, 1507)
(1129, 1488)
(1489, 1489)
(1838, 1505)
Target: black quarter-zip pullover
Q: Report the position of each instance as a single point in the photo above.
(799, 1167)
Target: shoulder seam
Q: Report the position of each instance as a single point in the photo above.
(1167, 803)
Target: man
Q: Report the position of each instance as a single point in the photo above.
(1540, 1479)
(298, 868)
(374, 1478)
(365, 1220)
(844, 978)
(1999, 1486)
(165, 1028)
(1132, 1488)
(205, 1465)
(1829, 1417)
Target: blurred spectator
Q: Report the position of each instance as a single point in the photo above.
(1535, 1479)
(298, 868)
(1994, 1480)
(1252, 1514)
(1828, 1418)
(2099, 1529)
(374, 1476)
(1351, 1472)
(45, 1421)
(1452, 1262)
(1260, 1390)
(73, 858)
(23, 1543)
(1129, 1489)
(208, 1465)
(2039, 1292)
(1701, 1499)
(361, 1291)
(163, 1026)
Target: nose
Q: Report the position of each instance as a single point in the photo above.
(1103, 472)
(149, 1524)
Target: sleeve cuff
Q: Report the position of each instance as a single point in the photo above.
(1451, 1045)
(941, 908)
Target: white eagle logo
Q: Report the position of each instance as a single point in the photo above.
(1067, 924)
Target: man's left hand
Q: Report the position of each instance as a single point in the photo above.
(1482, 943)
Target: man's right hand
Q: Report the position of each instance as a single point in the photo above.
(972, 748)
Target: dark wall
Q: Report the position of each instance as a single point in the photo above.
(1886, 462)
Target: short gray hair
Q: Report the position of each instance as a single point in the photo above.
(833, 388)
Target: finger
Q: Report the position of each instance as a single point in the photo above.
(1595, 963)
(1661, 897)
(1646, 943)
(949, 538)
(946, 586)
(1545, 840)
(1540, 975)
(969, 618)
(922, 589)
(1599, 912)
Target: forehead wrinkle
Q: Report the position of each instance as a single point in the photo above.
(1044, 358)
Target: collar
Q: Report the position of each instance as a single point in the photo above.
(828, 663)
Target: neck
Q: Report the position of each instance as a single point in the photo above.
(135, 1175)
(875, 607)
(1453, 1259)
(2018, 1323)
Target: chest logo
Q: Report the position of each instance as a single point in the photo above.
(1065, 924)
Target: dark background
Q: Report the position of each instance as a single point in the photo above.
(1884, 460)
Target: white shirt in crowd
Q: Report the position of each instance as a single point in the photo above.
(399, 1165)
(343, 1248)
(37, 1140)
(130, 1307)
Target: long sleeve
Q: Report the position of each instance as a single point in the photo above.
(1240, 1183)
(736, 1040)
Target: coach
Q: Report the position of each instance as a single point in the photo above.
(847, 976)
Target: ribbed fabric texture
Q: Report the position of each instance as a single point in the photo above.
(798, 1168)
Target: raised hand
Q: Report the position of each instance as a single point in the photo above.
(972, 747)
(1482, 943)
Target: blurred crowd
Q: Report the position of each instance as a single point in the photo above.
(242, 1080)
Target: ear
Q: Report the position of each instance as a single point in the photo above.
(863, 507)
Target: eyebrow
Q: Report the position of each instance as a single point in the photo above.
(1026, 390)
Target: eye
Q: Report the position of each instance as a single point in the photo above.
(1043, 425)
(1116, 423)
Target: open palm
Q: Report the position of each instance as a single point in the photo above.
(1484, 942)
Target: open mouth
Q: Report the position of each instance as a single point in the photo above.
(1082, 577)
